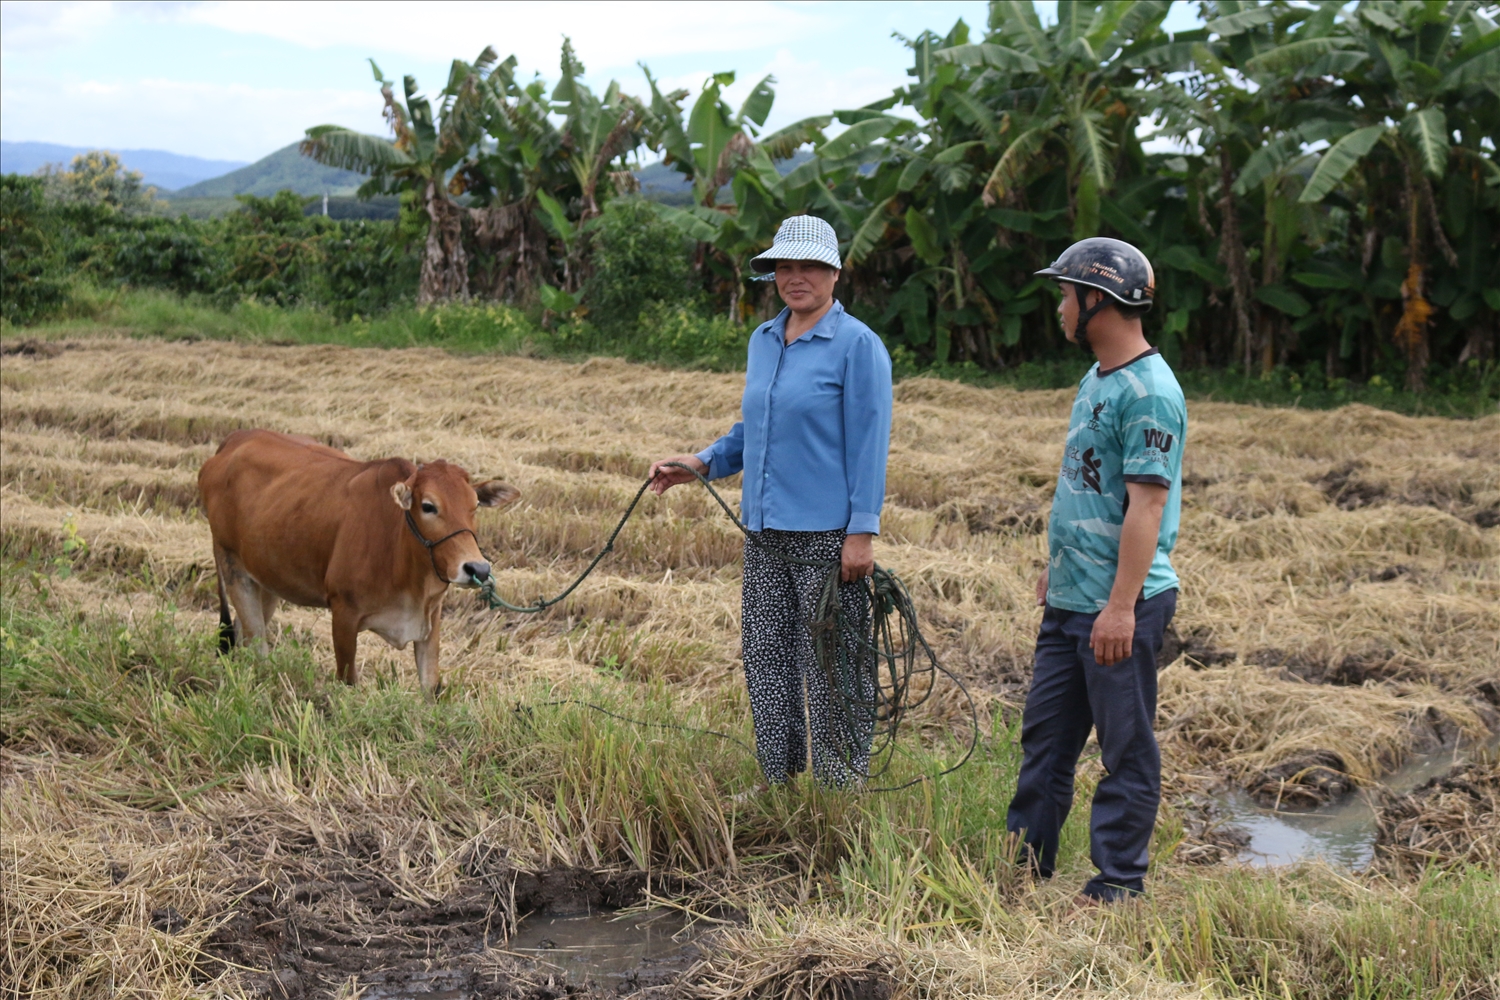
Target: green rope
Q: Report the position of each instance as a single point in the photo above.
(890, 670)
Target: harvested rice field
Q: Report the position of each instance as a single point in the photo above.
(179, 824)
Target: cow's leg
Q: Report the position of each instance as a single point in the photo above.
(269, 602)
(345, 642)
(227, 635)
(249, 606)
(427, 655)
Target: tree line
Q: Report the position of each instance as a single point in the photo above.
(68, 233)
(1335, 202)
(1328, 207)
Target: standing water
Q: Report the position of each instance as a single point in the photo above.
(607, 946)
(1341, 833)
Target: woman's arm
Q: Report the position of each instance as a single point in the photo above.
(867, 432)
(724, 457)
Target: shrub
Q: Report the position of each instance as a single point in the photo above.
(266, 251)
(31, 282)
(367, 269)
(681, 333)
(166, 253)
(638, 258)
(487, 327)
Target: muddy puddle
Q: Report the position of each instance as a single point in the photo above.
(607, 948)
(572, 932)
(1341, 833)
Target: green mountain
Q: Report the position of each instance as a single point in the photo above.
(284, 170)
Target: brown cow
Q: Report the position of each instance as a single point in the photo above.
(294, 520)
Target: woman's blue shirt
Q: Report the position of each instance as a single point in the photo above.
(816, 428)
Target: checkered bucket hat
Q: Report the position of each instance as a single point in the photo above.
(802, 237)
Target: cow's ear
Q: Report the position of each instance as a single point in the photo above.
(496, 494)
(401, 493)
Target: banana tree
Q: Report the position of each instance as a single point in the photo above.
(597, 131)
(1219, 87)
(1426, 66)
(422, 157)
(713, 141)
(1019, 138)
(713, 145)
(1073, 96)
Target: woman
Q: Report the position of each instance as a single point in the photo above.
(812, 444)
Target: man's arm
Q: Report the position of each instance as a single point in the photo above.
(1114, 629)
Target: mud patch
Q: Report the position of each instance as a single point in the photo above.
(1004, 673)
(1305, 781)
(1208, 835)
(1198, 646)
(31, 347)
(1350, 670)
(1348, 489)
(311, 938)
(623, 951)
(1453, 819)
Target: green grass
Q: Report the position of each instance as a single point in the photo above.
(157, 314)
(680, 337)
(148, 706)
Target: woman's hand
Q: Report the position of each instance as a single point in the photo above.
(858, 558)
(1041, 590)
(664, 476)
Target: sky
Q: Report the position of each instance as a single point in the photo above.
(236, 81)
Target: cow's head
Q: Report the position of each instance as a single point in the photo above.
(442, 504)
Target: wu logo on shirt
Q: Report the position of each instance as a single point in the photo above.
(1158, 439)
(1090, 470)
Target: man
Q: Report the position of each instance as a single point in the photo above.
(1109, 588)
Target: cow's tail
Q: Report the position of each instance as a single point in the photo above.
(226, 623)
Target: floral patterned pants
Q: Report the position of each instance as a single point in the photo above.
(790, 693)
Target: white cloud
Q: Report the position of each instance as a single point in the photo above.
(804, 88)
(67, 79)
(607, 36)
(232, 122)
(50, 25)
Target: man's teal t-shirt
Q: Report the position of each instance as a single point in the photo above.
(1129, 424)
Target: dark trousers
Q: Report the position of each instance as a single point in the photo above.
(1072, 693)
(789, 690)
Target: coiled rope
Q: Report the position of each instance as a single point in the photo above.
(878, 665)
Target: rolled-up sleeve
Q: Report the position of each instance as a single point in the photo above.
(867, 431)
(725, 456)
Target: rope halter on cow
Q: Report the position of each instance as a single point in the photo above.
(430, 546)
